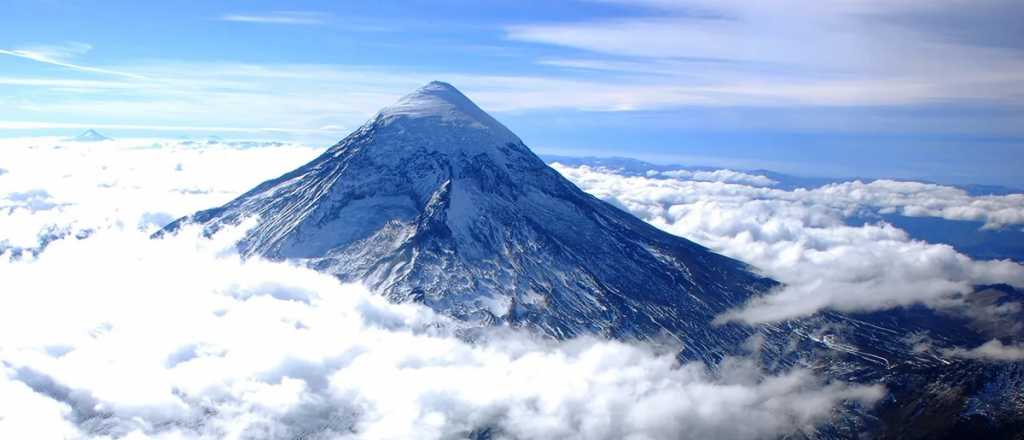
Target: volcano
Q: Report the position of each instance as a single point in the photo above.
(89, 136)
(435, 201)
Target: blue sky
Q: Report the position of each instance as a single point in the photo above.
(874, 88)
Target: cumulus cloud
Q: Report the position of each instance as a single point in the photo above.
(117, 335)
(55, 187)
(105, 333)
(801, 238)
(993, 350)
(916, 199)
(724, 175)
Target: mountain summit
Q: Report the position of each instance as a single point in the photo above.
(444, 104)
(89, 135)
(435, 201)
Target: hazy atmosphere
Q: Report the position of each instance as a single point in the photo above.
(909, 89)
(602, 219)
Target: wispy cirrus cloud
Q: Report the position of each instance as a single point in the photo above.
(59, 55)
(280, 17)
(309, 96)
(790, 53)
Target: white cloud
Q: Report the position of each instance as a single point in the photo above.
(755, 55)
(724, 175)
(22, 411)
(116, 335)
(33, 125)
(800, 238)
(58, 55)
(300, 98)
(280, 17)
(55, 52)
(993, 350)
(309, 96)
(790, 52)
(77, 187)
(178, 337)
(305, 97)
(915, 199)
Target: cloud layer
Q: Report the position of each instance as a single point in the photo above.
(784, 51)
(113, 335)
(732, 56)
(725, 175)
(801, 238)
(54, 186)
(179, 337)
(60, 54)
(993, 350)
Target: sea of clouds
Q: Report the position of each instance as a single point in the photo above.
(105, 332)
(122, 336)
(803, 239)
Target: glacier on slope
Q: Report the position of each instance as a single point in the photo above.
(435, 201)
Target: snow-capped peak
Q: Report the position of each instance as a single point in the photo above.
(443, 102)
(434, 201)
(90, 135)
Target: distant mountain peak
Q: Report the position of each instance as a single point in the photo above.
(90, 135)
